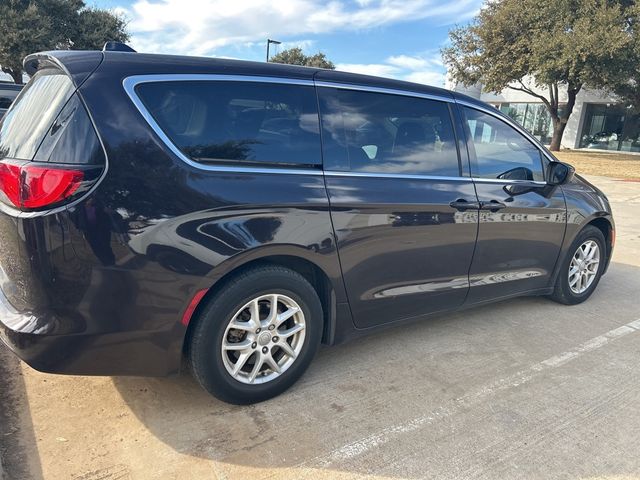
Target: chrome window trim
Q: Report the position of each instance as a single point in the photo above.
(135, 80)
(505, 181)
(338, 173)
(130, 83)
(390, 91)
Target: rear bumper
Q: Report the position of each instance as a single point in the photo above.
(120, 353)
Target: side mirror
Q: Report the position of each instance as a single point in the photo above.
(559, 173)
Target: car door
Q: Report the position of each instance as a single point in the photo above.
(392, 172)
(522, 219)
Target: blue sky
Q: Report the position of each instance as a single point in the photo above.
(392, 38)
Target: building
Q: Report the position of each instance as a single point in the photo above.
(598, 122)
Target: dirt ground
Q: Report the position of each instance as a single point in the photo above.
(608, 164)
(521, 389)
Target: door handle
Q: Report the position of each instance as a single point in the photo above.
(461, 204)
(492, 206)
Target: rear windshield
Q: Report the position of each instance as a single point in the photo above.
(31, 115)
(237, 122)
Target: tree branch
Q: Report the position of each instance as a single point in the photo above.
(532, 93)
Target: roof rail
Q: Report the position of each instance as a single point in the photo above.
(117, 47)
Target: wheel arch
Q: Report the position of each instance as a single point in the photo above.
(602, 222)
(326, 288)
(606, 227)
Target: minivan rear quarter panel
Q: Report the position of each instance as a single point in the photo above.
(153, 234)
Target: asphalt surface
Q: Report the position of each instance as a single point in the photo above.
(524, 388)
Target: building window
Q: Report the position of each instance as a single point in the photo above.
(534, 117)
(610, 127)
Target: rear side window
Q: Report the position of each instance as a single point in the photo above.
(384, 133)
(500, 151)
(31, 115)
(71, 138)
(237, 122)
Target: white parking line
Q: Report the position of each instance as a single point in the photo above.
(359, 447)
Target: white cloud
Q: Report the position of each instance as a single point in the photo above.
(203, 27)
(306, 45)
(376, 69)
(416, 62)
(426, 69)
(427, 77)
(199, 27)
(406, 61)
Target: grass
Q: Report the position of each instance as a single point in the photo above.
(607, 164)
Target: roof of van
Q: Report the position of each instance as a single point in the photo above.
(80, 64)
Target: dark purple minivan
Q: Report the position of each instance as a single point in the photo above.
(232, 216)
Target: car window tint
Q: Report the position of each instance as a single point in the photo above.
(247, 122)
(71, 138)
(384, 133)
(499, 151)
(31, 115)
(6, 100)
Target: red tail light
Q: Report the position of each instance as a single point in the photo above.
(36, 186)
(10, 182)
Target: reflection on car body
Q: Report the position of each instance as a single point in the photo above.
(236, 215)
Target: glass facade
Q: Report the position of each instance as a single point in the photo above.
(610, 127)
(534, 117)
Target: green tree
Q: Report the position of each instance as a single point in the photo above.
(295, 56)
(545, 48)
(30, 26)
(629, 89)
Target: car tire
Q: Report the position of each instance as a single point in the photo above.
(568, 289)
(216, 348)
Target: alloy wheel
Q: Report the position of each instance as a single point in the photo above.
(584, 265)
(263, 339)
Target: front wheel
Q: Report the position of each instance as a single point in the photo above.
(580, 272)
(257, 336)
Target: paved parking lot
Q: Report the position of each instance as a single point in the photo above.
(520, 389)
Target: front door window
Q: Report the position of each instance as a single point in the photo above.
(499, 151)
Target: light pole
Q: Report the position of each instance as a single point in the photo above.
(269, 42)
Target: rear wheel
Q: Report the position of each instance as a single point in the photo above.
(257, 336)
(581, 270)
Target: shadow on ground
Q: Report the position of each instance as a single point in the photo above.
(16, 428)
(353, 391)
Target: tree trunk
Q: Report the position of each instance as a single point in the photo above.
(16, 75)
(560, 122)
(558, 131)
